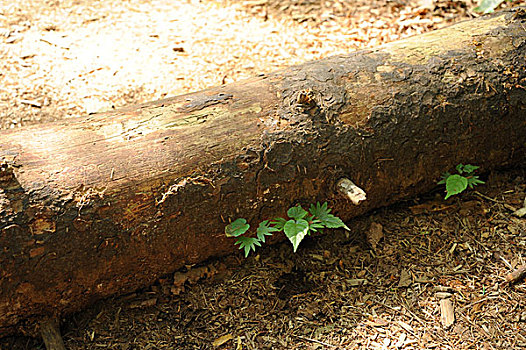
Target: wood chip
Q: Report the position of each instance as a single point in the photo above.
(401, 341)
(447, 313)
(32, 103)
(443, 295)
(405, 279)
(520, 213)
(222, 340)
(428, 207)
(355, 282)
(516, 275)
(376, 322)
(143, 303)
(443, 289)
(406, 326)
(375, 234)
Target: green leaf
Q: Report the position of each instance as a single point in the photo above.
(460, 168)
(297, 212)
(248, 243)
(455, 184)
(296, 231)
(264, 229)
(319, 211)
(473, 181)
(331, 221)
(279, 223)
(470, 168)
(488, 6)
(236, 228)
(444, 178)
(315, 224)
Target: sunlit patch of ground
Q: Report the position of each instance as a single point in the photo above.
(68, 58)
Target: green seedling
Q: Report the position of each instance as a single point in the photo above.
(457, 183)
(300, 223)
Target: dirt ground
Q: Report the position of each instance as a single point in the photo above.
(384, 285)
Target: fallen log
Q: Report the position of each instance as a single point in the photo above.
(106, 204)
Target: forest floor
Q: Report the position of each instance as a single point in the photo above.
(384, 285)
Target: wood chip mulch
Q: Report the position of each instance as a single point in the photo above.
(424, 274)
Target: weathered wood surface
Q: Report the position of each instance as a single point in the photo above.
(107, 203)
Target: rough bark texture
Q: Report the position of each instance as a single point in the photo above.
(108, 203)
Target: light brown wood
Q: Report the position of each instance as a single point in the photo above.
(447, 313)
(517, 275)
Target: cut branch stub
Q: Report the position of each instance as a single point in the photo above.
(351, 191)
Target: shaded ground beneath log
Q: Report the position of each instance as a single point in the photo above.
(379, 288)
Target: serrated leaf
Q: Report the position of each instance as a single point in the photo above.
(473, 181)
(315, 224)
(264, 229)
(331, 221)
(237, 228)
(468, 168)
(248, 243)
(487, 6)
(297, 213)
(296, 231)
(319, 211)
(455, 184)
(278, 223)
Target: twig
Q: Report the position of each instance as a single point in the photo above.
(32, 103)
(486, 197)
(315, 341)
(409, 314)
(506, 205)
(506, 262)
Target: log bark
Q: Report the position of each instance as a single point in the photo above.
(106, 204)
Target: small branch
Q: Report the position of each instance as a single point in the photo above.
(315, 341)
(50, 332)
(353, 192)
(486, 197)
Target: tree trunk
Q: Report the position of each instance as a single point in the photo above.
(108, 203)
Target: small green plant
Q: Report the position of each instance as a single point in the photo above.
(300, 224)
(457, 183)
(488, 6)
